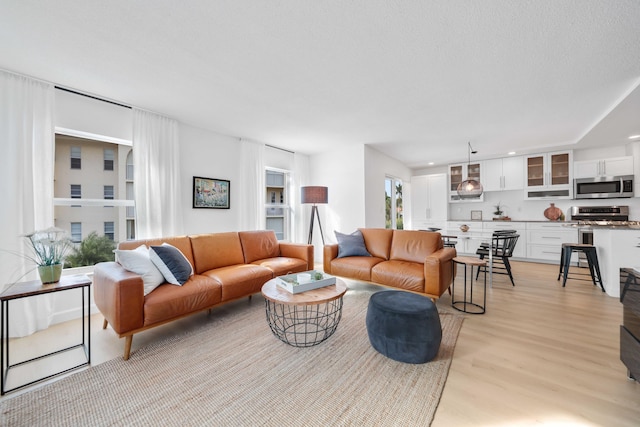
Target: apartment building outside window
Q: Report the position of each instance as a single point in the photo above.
(76, 158)
(81, 194)
(109, 159)
(109, 230)
(76, 232)
(277, 205)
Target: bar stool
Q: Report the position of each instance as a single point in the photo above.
(467, 304)
(592, 260)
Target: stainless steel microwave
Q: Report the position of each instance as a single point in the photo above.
(603, 187)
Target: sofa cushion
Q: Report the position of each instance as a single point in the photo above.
(216, 250)
(240, 280)
(351, 244)
(399, 274)
(377, 241)
(258, 245)
(168, 302)
(358, 267)
(283, 265)
(414, 246)
(173, 265)
(138, 261)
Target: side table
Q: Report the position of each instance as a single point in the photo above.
(467, 304)
(30, 289)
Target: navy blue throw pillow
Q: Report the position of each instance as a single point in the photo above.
(351, 244)
(173, 265)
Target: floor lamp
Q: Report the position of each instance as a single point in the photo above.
(314, 195)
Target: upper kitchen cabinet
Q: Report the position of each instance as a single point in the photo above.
(459, 173)
(503, 174)
(608, 167)
(549, 175)
(429, 201)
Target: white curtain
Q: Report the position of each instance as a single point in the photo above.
(300, 179)
(251, 196)
(156, 161)
(26, 178)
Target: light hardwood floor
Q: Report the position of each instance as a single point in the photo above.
(541, 355)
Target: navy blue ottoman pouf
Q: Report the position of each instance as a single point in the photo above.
(404, 326)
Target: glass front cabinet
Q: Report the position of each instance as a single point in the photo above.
(459, 173)
(549, 175)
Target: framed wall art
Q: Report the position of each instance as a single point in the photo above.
(211, 193)
(476, 215)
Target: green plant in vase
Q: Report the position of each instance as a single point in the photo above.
(498, 210)
(48, 249)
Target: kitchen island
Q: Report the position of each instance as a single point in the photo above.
(618, 247)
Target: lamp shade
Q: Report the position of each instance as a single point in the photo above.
(469, 189)
(314, 194)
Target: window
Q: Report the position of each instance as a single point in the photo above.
(278, 210)
(108, 192)
(76, 232)
(109, 230)
(76, 158)
(76, 191)
(393, 203)
(109, 158)
(80, 197)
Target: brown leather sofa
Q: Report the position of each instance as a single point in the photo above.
(412, 260)
(227, 266)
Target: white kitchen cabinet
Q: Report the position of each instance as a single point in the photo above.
(503, 174)
(520, 251)
(607, 167)
(545, 239)
(429, 203)
(468, 246)
(549, 175)
(459, 173)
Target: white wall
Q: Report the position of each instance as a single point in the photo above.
(343, 172)
(210, 155)
(377, 167)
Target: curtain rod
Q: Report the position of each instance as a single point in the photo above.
(278, 148)
(92, 97)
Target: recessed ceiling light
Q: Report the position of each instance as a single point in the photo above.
(511, 153)
(431, 163)
(634, 136)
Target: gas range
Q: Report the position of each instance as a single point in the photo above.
(600, 215)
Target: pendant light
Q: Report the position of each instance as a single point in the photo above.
(469, 188)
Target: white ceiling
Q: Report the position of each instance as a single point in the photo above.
(415, 79)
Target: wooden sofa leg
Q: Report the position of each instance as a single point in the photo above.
(127, 346)
(105, 324)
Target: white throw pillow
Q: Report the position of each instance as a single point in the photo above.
(139, 262)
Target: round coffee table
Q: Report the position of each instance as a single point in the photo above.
(305, 319)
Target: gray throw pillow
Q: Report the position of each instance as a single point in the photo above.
(351, 244)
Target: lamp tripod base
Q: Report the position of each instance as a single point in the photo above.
(314, 214)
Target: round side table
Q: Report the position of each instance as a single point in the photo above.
(467, 303)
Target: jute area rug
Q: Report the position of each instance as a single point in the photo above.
(232, 371)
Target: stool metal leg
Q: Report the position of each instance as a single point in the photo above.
(561, 263)
(596, 266)
(566, 253)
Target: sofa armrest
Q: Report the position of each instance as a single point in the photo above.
(299, 251)
(438, 271)
(330, 253)
(119, 295)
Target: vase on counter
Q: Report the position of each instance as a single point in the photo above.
(552, 213)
